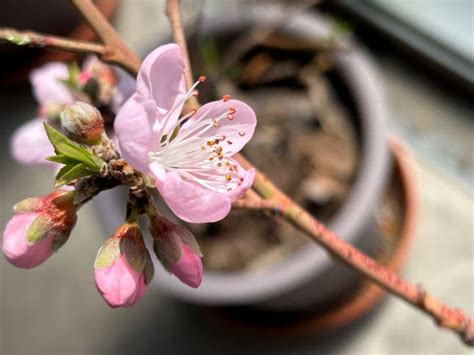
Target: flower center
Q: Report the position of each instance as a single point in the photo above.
(196, 155)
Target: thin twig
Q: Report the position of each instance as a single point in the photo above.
(33, 39)
(120, 54)
(174, 16)
(443, 315)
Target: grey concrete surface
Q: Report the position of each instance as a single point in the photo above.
(55, 308)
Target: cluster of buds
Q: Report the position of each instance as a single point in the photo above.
(123, 266)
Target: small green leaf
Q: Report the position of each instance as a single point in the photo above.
(18, 38)
(62, 159)
(63, 146)
(72, 172)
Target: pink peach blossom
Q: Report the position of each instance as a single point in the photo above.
(190, 157)
(123, 267)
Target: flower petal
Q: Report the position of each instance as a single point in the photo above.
(119, 284)
(188, 268)
(134, 131)
(192, 202)
(16, 248)
(29, 144)
(161, 78)
(237, 131)
(47, 85)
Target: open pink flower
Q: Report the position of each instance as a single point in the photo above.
(190, 157)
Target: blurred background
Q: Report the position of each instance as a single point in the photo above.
(422, 53)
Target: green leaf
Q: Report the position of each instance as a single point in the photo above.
(66, 148)
(62, 159)
(72, 172)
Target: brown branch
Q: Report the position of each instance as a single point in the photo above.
(33, 39)
(119, 54)
(174, 16)
(443, 315)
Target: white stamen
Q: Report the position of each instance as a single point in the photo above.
(196, 157)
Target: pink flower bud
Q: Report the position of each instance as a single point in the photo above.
(82, 123)
(100, 76)
(188, 268)
(177, 250)
(40, 226)
(123, 267)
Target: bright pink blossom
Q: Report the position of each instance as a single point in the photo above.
(40, 226)
(190, 157)
(123, 267)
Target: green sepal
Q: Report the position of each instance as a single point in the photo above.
(32, 204)
(40, 228)
(188, 238)
(72, 172)
(149, 270)
(167, 249)
(65, 147)
(134, 249)
(59, 240)
(108, 253)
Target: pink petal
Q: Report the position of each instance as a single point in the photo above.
(16, 248)
(161, 77)
(119, 284)
(189, 268)
(29, 144)
(125, 89)
(248, 176)
(237, 131)
(192, 202)
(47, 85)
(134, 131)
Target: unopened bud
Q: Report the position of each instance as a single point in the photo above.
(103, 77)
(82, 123)
(123, 267)
(177, 250)
(40, 226)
